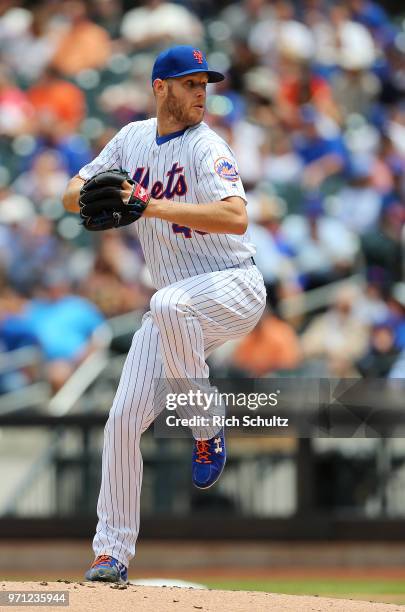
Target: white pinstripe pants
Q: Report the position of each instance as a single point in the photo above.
(187, 320)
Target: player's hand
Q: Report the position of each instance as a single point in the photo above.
(126, 191)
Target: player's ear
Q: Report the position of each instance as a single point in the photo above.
(158, 87)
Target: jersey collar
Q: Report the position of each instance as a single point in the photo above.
(162, 139)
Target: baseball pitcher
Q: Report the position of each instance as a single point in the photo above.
(179, 181)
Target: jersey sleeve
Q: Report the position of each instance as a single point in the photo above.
(110, 158)
(217, 173)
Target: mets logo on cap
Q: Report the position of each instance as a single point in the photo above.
(198, 56)
(226, 169)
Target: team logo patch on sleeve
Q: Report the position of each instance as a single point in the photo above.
(226, 169)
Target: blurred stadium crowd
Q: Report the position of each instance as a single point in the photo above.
(314, 109)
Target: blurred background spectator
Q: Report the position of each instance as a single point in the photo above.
(334, 340)
(63, 323)
(82, 44)
(313, 106)
(157, 24)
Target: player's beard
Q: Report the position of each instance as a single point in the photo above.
(175, 108)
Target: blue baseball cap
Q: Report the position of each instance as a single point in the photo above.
(181, 60)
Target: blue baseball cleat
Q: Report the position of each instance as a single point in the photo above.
(107, 569)
(209, 457)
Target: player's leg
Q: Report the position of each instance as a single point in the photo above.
(194, 316)
(202, 310)
(118, 503)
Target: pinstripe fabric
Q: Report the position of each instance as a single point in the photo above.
(185, 167)
(208, 292)
(118, 504)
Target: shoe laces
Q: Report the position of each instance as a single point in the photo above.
(203, 451)
(102, 560)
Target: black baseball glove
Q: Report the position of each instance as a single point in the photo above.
(102, 205)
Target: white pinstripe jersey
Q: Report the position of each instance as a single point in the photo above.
(195, 165)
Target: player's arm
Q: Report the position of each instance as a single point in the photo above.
(70, 198)
(227, 216)
(221, 207)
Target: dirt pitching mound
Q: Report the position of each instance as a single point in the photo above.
(88, 597)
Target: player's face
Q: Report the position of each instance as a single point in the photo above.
(185, 99)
